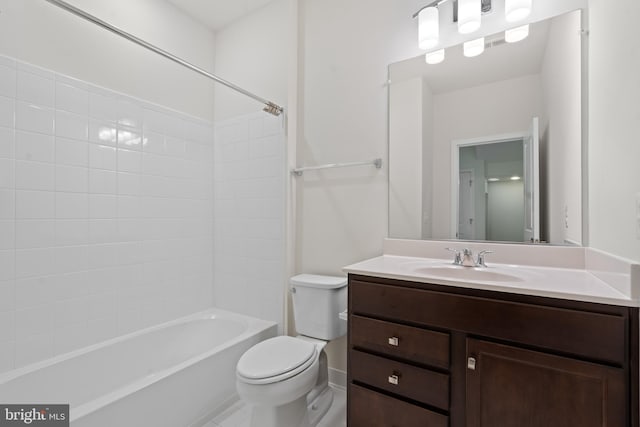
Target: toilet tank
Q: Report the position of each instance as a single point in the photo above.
(317, 302)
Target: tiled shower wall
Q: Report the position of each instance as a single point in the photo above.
(105, 214)
(249, 216)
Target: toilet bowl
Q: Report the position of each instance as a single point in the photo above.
(285, 379)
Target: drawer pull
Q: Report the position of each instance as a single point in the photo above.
(394, 379)
(394, 341)
(471, 363)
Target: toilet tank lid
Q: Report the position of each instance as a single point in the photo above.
(318, 281)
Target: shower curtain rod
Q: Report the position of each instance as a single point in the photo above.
(270, 107)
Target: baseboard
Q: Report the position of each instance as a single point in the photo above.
(337, 377)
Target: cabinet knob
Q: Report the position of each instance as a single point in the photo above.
(471, 363)
(394, 379)
(394, 341)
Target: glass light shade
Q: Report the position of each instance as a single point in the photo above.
(428, 27)
(474, 47)
(469, 12)
(516, 34)
(435, 57)
(516, 10)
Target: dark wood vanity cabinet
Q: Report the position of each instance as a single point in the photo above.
(437, 356)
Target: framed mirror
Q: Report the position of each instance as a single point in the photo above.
(509, 121)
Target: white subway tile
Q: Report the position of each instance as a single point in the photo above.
(7, 356)
(130, 113)
(7, 235)
(102, 256)
(7, 326)
(33, 69)
(103, 107)
(7, 173)
(35, 204)
(72, 152)
(7, 265)
(33, 118)
(33, 348)
(72, 179)
(271, 146)
(129, 252)
(7, 143)
(71, 337)
(129, 138)
(129, 161)
(34, 262)
(35, 89)
(70, 311)
(34, 321)
(103, 206)
(71, 205)
(102, 181)
(34, 175)
(72, 232)
(102, 329)
(102, 157)
(129, 207)
(129, 184)
(34, 291)
(35, 233)
(176, 147)
(71, 285)
(130, 230)
(101, 306)
(7, 295)
(155, 121)
(105, 133)
(7, 204)
(72, 98)
(7, 112)
(70, 259)
(103, 231)
(7, 81)
(34, 146)
(73, 126)
(153, 143)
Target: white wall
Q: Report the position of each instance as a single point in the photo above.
(561, 126)
(614, 114)
(485, 114)
(40, 33)
(105, 214)
(405, 159)
(253, 53)
(427, 161)
(505, 211)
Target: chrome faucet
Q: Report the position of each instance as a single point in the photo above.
(465, 257)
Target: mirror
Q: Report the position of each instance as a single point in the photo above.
(472, 120)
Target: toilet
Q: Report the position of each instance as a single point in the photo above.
(285, 379)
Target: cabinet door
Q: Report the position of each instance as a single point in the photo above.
(513, 387)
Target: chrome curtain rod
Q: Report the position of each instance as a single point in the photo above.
(270, 107)
(375, 162)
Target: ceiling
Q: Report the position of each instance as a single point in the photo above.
(217, 14)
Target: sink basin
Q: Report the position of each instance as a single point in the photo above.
(456, 272)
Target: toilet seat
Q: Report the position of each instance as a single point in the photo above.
(275, 359)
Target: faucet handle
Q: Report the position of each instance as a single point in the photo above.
(458, 258)
(481, 255)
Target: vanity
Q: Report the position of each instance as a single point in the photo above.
(432, 344)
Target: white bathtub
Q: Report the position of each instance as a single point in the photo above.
(170, 375)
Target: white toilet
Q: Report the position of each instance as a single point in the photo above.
(285, 379)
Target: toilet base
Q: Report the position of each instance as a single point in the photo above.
(293, 414)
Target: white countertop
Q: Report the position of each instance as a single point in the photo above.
(565, 283)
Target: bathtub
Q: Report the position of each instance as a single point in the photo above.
(171, 375)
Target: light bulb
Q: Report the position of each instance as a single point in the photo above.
(474, 47)
(428, 27)
(516, 10)
(516, 34)
(469, 12)
(435, 57)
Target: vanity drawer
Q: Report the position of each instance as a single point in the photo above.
(422, 385)
(587, 334)
(370, 409)
(404, 342)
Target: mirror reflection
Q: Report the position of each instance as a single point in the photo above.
(513, 112)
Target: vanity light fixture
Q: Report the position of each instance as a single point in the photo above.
(515, 178)
(516, 34)
(469, 12)
(474, 47)
(428, 27)
(493, 179)
(516, 10)
(435, 57)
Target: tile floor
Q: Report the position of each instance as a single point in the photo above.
(238, 414)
